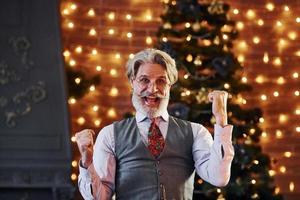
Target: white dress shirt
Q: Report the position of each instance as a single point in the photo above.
(211, 164)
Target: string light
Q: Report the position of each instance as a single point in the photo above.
(241, 58)
(256, 40)
(111, 16)
(282, 169)
(94, 52)
(111, 113)
(114, 92)
(280, 80)
(95, 108)
(98, 68)
(295, 75)
(279, 134)
(298, 129)
(97, 122)
(270, 6)
(291, 186)
(287, 154)
(253, 181)
(292, 35)
(77, 80)
(283, 118)
(266, 57)
(240, 25)
(128, 17)
(129, 35)
(117, 55)
(276, 94)
(74, 163)
(70, 25)
(73, 177)
(277, 190)
(111, 31)
(92, 88)
(113, 72)
(264, 134)
(244, 80)
(263, 97)
(72, 100)
(81, 120)
(297, 93)
(286, 8)
(272, 172)
(92, 32)
(91, 12)
(297, 111)
(260, 22)
(298, 19)
(72, 63)
(148, 40)
(187, 25)
(73, 6)
(226, 86)
(235, 11)
(66, 53)
(131, 56)
(78, 49)
(73, 139)
(250, 14)
(260, 79)
(277, 61)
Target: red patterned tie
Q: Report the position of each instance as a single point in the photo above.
(156, 141)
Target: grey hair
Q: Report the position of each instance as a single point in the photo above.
(153, 56)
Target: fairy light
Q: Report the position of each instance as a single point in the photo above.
(65, 11)
(131, 56)
(187, 25)
(272, 172)
(256, 40)
(91, 12)
(117, 55)
(189, 58)
(250, 14)
(114, 92)
(256, 162)
(278, 134)
(78, 49)
(241, 58)
(73, 6)
(111, 31)
(72, 63)
(186, 76)
(148, 40)
(297, 111)
(97, 122)
(276, 94)
(298, 19)
(113, 72)
(280, 80)
(164, 39)
(292, 35)
(129, 35)
(282, 169)
(128, 17)
(92, 88)
(111, 16)
(263, 97)
(292, 186)
(277, 190)
(261, 120)
(94, 52)
(92, 32)
(98, 68)
(225, 37)
(283, 118)
(297, 93)
(95, 108)
(72, 100)
(77, 80)
(252, 131)
(295, 75)
(286, 8)
(244, 79)
(298, 129)
(297, 53)
(81, 120)
(277, 61)
(226, 86)
(260, 79)
(264, 134)
(74, 163)
(148, 15)
(236, 11)
(242, 45)
(266, 57)
(70, 25)
(270, 6)
(260, 22)
(253, 181)
(188, 38)
(279, 24)
(240, 25)
(111, 113)
(66, 53)
(73, 177)
(287, 154)
(73, 139)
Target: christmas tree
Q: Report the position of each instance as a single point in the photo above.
(199, 35)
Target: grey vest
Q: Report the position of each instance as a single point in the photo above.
(140, 176)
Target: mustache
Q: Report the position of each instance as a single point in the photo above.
(149, 94)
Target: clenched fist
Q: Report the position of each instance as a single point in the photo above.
(85, 144)
(219, 106)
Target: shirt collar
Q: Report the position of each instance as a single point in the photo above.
(141, 116)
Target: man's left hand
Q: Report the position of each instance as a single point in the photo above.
(219, 106)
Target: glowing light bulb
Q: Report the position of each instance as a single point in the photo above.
(66, 53)
(266, 57)
(128, 17)
(73, 177)
(277, 190)
(297, 111)
(287, 154)
(260, 79)
(78, 49)
(131, 56)
(283, 118)
(73, 6)
(148, 40)
(74, 163)
(111, 31)
(295, 75)
(264, 135)
(129, 35)
(186, 76)
(286, 8)
(253, 181)
(80, 120)
(240, 25)
(260, 22)
(292, 35)
(297, 53)
(291, 186)
(270, 6)
(261, 120)
(111, 16)
(92, 32)
(276, 94)
(72, 100)
(298, 19)
(111, 113)
(97, 122)
(278, 134)
(188, 38)
(280, 80)
(277, 61)
(250, 14)
(189, 58)
(256, 40)
(242, 45)
(226, 86)
(235, 11)
(91, 12)
(73, 139)
(77, 80)
(272, 172)
(71, 25)
(298, 129)
(113, 72)
(92, 88)
(72, 63)
(244, 79)
(256, 162)
(282, 169)
(297, 93)
(164, 39)
(241, 58)
(95, 108)
(117, 55)
(114, 92)
(187, 25)
(66, 11)
(94, 52)
(263, 97)
(98, 68)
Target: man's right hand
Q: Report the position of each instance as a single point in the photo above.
(85, 144)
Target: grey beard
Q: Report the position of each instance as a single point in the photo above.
(137, 103)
